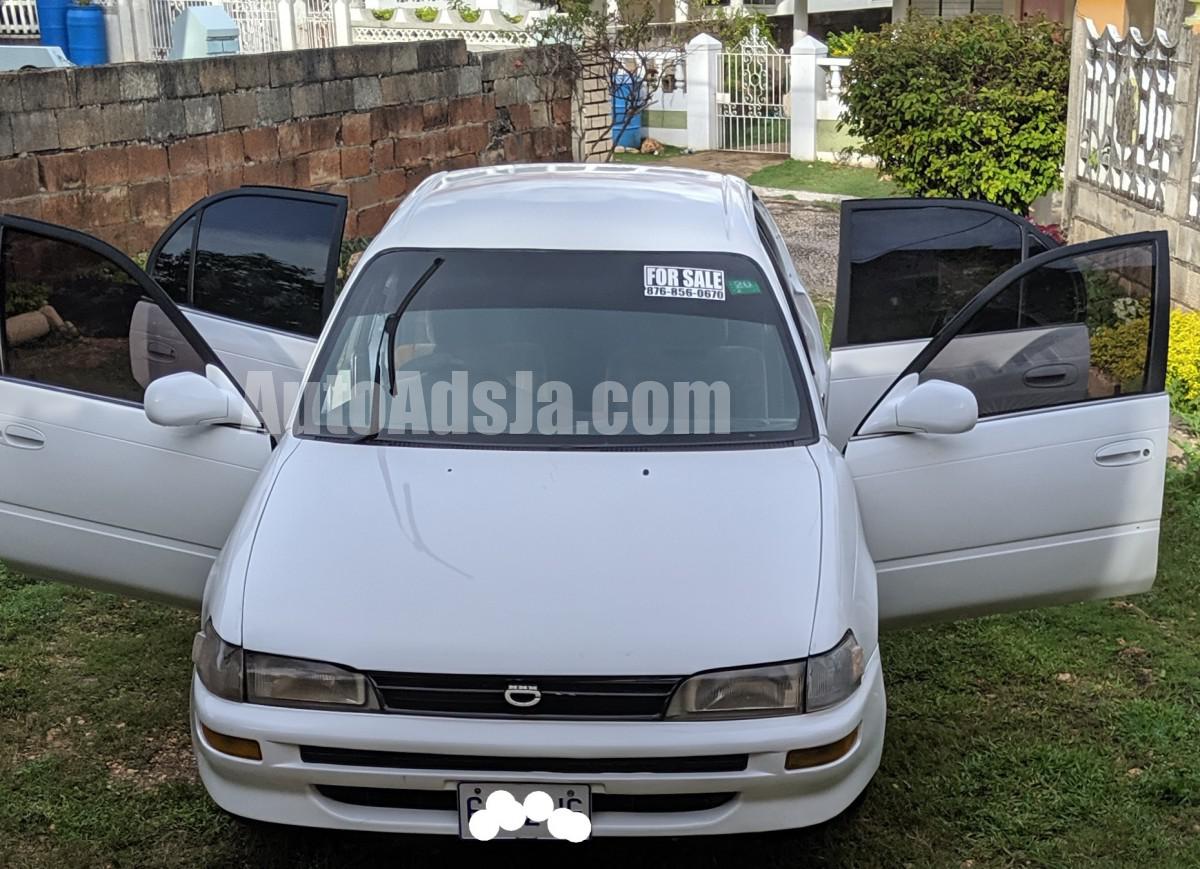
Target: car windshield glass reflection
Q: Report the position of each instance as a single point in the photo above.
(559, 349)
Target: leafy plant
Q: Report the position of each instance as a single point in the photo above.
(732, 29)
(24, 296)
(970, 107)
(843, 44)
(513, 19)
(383, 14)
(426, 14)
(469, 14)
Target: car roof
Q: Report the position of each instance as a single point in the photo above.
(577, 206)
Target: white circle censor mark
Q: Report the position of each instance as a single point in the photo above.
(503, 812)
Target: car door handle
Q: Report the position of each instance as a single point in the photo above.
(23, 437)
(162, 351)
(1125, 453)
(1043, 376)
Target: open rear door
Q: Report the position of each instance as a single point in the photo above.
(255, 271)
(1055, 494)
(905, 267)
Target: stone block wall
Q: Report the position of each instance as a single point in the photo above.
(119, 151)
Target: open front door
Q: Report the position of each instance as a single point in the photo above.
(905, 267)
(1056, 493)
(255, 271)
(91, 491)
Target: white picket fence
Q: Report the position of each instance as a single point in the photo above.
(18, 19)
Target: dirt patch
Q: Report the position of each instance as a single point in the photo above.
(739, 163)
(172, 762)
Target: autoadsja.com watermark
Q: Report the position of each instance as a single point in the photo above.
(514, 406)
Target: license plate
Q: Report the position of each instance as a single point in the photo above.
(472, 796)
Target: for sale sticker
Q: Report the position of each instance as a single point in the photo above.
(676, 282)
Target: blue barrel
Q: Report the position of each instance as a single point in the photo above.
(52, 21)
(627, 128)
(86, 44)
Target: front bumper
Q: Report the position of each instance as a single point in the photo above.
(283, 788)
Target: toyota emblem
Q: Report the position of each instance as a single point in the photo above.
(522, 696)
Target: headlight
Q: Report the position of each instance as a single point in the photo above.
(279, 681)
(274, 680)
(218, 664)
(835, 675)
(774, 690)
(807, 685)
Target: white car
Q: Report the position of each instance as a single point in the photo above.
(645, 571)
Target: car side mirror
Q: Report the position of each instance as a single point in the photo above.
(187, 398)
(932, 407)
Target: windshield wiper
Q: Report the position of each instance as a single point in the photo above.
(388, 339)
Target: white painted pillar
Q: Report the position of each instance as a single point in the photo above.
(287, 33)
(613, 9)
(341, 22)
(682, 10)
(805, 87)
(143, 37)
(703, 54)
(118, 32)
(800, 19)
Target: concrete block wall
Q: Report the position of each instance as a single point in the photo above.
(120, 150)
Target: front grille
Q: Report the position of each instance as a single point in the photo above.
(594, 697)
(447, 801)
(572, 765)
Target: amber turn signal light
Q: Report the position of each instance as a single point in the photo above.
(803, 758)
(232, 745)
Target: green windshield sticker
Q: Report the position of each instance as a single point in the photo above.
(743, 287)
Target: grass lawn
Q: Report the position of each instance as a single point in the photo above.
(818, 177)
(1065, 737)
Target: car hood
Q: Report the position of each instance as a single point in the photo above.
(509, 562)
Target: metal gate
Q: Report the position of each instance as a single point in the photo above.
(314, 23)
(257, 22)
(752, 85)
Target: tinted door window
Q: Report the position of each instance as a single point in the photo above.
(912, 269)
(1100, 349)
(265, 260)
(77, 320)
(174, 262)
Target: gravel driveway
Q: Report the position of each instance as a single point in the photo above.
(811, 232)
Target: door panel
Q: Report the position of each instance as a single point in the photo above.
(905, 267)
(963, 524)
(1056, 494)
(93, 492)
(255, 271)
(268, 364)
(111, 500)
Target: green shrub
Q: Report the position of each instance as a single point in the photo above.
(24, 296)
(383, 14)
(426, 13)
(970, 107)
(513, 19)
(469, 14)
(842, 44)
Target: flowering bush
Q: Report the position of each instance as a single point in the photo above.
(1119, 350)
(1183, 362)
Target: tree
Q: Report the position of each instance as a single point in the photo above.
(972, 107)
(623, 47)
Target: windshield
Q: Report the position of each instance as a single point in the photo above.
(558, 349)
